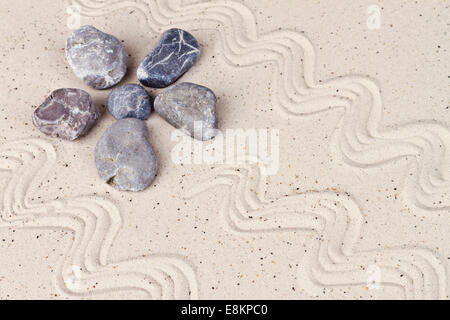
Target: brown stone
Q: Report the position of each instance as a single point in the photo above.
(67, 114)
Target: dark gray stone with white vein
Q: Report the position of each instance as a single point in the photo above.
(124, 157)
(67, 114)
(189, 107)
(129, 101)
(174, 54)
(97, 58)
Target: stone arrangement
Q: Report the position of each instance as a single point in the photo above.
(124, 157)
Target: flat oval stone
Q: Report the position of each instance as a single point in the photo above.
(97, 58)
(129, 101)
(174, 54)
(189, 107)
(67, 114)
(124, 157)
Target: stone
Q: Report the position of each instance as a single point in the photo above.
(129, 101)
(67, 114)
(189, 107)
(124, 157)
(97, 58)
(174, 54)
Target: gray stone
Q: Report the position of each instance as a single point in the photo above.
(129, 101)
(124, 157)
(189, 107)
(97, 58)
(174, 54)
(67, 114)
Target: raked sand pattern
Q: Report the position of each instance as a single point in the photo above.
(329, 222)
(336, 219)
(95, 223)
(358, 137)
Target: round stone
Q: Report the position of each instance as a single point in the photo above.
(129, 101)
(67, 114)
(97, 58)
(174, 54)
(189, 107)
(124, 157)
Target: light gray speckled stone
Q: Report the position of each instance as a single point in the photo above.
(189, 107)
(129, 101)
(67, 114)
(124, 157)
(97, 58)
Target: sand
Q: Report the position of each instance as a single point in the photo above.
(358, 207)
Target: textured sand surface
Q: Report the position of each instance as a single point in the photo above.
(359, 207)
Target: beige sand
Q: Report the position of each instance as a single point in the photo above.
(359, 207)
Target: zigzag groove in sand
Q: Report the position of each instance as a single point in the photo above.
(358, 141)
(336, 219)
(84, 270)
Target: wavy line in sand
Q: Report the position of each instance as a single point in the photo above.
(84, 270)
(359, 139)
(337, 221)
